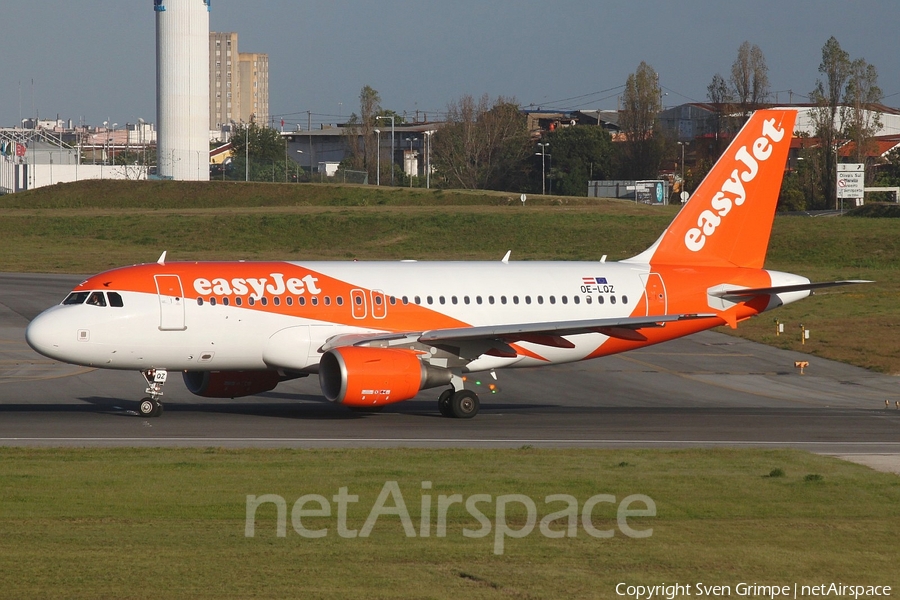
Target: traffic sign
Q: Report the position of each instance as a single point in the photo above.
(851, 180)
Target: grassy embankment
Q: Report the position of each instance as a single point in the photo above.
(92, 226)
(170, 523)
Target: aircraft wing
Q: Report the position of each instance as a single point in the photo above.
(551, 329)
(548, 333)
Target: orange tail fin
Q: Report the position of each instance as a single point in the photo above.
(728, 220)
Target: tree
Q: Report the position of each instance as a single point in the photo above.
(719, 94)
(750, 78)
(266, 152)
(639, 122)
(889, 172)
(861, 124)
(580, 154)
(360, 132)
(835, 67)
(482, 145)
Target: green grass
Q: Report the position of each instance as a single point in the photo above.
(152, 523)
(92, 226)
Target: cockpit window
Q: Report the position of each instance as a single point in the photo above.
(115, 300)
(76, 298)
(96, 299)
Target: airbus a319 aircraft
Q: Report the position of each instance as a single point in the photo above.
(377, 333)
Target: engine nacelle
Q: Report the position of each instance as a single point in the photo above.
(230, 384)
(360, 376)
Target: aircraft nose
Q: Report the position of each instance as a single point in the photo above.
(44, 334)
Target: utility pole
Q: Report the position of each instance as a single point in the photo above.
(392, 144)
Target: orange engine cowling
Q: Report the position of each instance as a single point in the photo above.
(230, 384)
(360, 376)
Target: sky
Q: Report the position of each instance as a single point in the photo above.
(95, 60)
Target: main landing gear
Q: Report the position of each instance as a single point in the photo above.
(460, 404)
(151, 406)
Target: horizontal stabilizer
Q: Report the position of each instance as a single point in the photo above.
(784, 289)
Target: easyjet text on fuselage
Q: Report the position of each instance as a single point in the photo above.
(257, 287)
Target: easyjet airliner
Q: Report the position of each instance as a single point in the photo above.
(377, 333)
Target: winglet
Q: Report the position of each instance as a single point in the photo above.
(505, 260)
(162, 258)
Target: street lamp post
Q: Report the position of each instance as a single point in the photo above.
(542, 154)
(298, 166)
(410, 160)
(682, 144)
(377, 157)
(428, 135)
(391, 117)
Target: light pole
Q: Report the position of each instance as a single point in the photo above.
(410, 160)
(681, 195)
(378, 157)
(112, 146)
(542, 154)
(298, 166)
(391, 117)
(428, 135)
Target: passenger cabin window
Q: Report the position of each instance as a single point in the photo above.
(96, 299)
(76, 298)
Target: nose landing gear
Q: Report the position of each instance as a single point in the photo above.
(151, 406)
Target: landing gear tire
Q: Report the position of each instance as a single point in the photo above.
(444, 403)
(150, 408)
(464, 404)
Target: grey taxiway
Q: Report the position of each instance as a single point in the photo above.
(708, 389)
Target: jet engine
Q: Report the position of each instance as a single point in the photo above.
(230, 384)
(361, 377)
